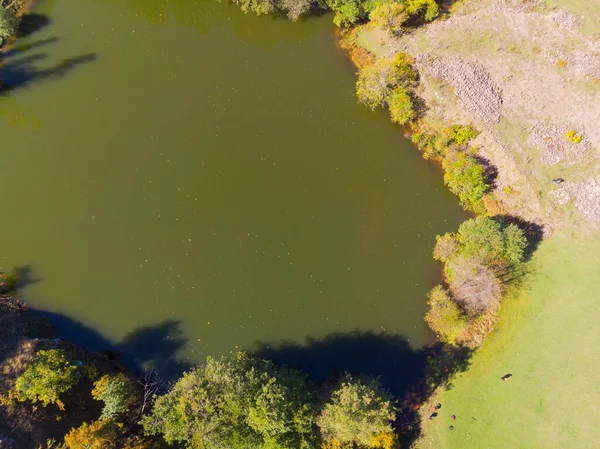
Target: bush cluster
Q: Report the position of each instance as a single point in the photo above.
(479, 261)
(464, 175)
(389, 14)
(388, 83)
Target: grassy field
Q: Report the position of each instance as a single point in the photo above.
(548, 340)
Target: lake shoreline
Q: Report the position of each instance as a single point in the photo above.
(419, 401)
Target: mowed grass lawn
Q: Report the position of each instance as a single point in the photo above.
(548, 339)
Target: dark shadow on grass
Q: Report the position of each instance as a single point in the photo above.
(410, 374)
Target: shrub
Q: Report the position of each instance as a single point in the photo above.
(389, 16)
(347, 12)
(50, 375)
(260, 7)
(101, 434)
(444, 316)
(401, 106)
(466, 177)
(118, 394)
(385, 440)
(446, 247)
(461, 134)
(296, 8)
(432, 146)
(427, 9)
(404, 65)
(357, 412)
(572, 136)
(8, 23)
(376, 82)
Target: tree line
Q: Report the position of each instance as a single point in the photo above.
(236, 402)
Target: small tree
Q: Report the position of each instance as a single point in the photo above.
(118, 394)
(389, 16)
(50, 375)
(8, 23)
(461, 134)
(401, 106)
(446, 247)
(466, 177)
(101, 434)
(296, 8)
(427, 9)
(347, 12)
(260, 7)
(443, 315)
(376, 82)
(492, 241)
(357, 412)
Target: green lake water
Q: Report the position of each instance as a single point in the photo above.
(194, 177)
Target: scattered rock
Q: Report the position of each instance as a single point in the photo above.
(554, 146)
(475, 89)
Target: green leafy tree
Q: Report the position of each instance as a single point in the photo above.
(347, 12)
(8, 23)
(461, 134)
(492, 241)
(357, 412)
(466, 177)
(389, 16)
(444, 316)
(240, 402)
(118, 394)
(404, 66)
(427, 9)
(401, 106)
(49, 376)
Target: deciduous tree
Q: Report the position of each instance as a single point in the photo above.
(357, 412)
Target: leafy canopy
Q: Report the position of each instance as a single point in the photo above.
(234, 403)
(357, 412)
(8, 23)
(50, 375)
(401, 107)
(118, 394)
(466, 177)
(444, 316)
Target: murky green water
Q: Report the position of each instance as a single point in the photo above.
(181, 161)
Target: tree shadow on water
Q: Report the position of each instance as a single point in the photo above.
(154, 346)
(410, 374)
(383, 355)
(19, 73)
(30, 23)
